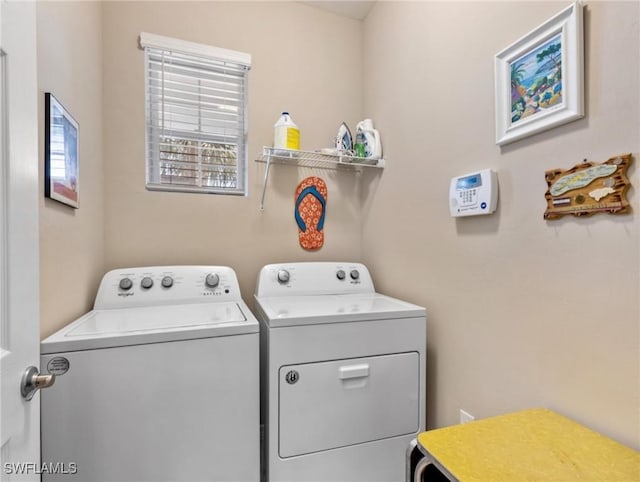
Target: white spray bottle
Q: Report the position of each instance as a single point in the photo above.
(370, 137)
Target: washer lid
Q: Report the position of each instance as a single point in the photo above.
(311, 310)
(135, 326)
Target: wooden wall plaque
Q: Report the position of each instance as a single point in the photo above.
(589, 188)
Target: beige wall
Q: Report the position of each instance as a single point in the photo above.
(306, 61)
(72, 240)
(521, 312)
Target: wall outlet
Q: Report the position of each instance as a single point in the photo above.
(466, 417)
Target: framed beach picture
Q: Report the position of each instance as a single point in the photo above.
(61, 174)
(539, 78)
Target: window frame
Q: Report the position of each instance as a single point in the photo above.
(153, 46)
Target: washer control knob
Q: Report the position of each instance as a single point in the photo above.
(340, 274)
(354, 274)
(125, 284)
(167, 282)
(212, 280)
(146, 283)
(283, 276)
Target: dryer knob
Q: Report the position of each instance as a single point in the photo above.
(283, 276)
(354, 274)
(167, 282)
(340, 274)
(212, 280)
(146, 283)
(125, 284)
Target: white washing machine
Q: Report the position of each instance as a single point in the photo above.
(342, 374)
(160, 382)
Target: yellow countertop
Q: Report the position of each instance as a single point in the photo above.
(531, 445)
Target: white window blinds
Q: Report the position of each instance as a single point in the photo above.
(196, 98)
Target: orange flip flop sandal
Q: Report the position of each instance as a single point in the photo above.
(311, 206)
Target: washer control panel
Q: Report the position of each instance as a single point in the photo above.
(157, 285)
(313, 279)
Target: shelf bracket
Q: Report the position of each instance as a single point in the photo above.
(264, 185)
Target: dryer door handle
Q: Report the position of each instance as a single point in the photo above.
(354, 371)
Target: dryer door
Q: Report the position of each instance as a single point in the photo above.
(334, 404)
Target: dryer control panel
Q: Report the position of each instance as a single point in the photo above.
(158, 285)
(317, 278)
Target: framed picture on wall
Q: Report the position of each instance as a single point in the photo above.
(61, 169)
(539, 78)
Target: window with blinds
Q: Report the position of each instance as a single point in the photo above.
(196, 112)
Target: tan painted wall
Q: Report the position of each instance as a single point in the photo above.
(72, 240)
(522, 312)
(306, 61)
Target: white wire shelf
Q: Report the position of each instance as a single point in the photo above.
(316, 159)
(312, 159)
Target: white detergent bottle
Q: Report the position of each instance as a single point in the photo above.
(286, 134)
(371, 138)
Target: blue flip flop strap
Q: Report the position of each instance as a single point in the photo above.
(314, 192)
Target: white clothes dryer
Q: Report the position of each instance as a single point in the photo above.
(159, 382)
(342, 374)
